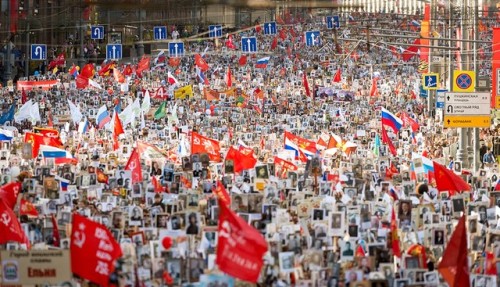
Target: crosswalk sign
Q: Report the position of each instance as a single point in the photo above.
(430, 81)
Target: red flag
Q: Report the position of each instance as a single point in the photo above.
(411, 51)
(10, 228)
(201, 144)
(360, 252)
(9, 193)
(274, 44)
(454, 267)
(88, 71)
(495, 65)
(229, 43)
(374, 89)
(143, 65)
(285, 166)
(39, 139)
(127, 71)
(241, 161)
(200, 62)
(58, 61)
(306, 85)
(118, 76)
(228, 78)
(55, 232)
(24, 98)
(134, 165)
(409, 122)
(282, 34)
(27, 208)
(174, 61)
(338, 77)
(258, 28)
(81, 82)
(240, 246)
(221, 193)
(117, 130)
(490, 266)
(447, 180)
(387, 140)
(106, 68)
(396, 250)
(156, 184)
(48, 132)
(243, 60)
(93, 243)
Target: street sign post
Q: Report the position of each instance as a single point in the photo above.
(176, 49)
(97, 32)
(467, 110)
(114, 51)
(270, 28)
(38, 52)
(215, 31)
(312, 38)
(249, 44)
(160, 32)
(440, 98)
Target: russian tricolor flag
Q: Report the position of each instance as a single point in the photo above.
(53, 152)
(6, 135)
(201, 76)
(390, 120)
(63, 183)
(84, 126)
(103, 116)
(262, 63)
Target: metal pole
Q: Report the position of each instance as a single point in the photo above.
(28, 51)
(477, 158)
(140, 45)
(81, 60)
(8, 68)
(462, 132)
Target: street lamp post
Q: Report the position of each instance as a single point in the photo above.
(8, 69)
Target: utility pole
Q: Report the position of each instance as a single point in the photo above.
(81, 59)
(28, 50)
(477, 159)
(8, 68)
(462, 132)
(140, 45)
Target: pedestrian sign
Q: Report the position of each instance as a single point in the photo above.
(464, 81)
(430, 81)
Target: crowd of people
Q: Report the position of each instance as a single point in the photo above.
(300, 146)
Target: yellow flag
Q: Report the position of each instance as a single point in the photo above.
(184, 92)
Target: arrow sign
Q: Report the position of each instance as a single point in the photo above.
(312, 38)
(176, 49)
(270, 28)
(114, 51)
(160, 32)
(249, 44)
(97, 32)
(215, 31)
(38, 52)
(336, 21)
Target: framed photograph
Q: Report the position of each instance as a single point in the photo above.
(162, 220)
(347, 250)
(458, 205)
(404, 213)
(336, 223)
(135, 216)
(286, 262)
(318, 214)
(438, 237)
(402, 282)
(431, 277)
(412, 262)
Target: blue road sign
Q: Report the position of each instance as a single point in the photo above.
(114, 51)
(336, 21)
(215, 31)
(160, 32)
(249, 44)
(312, 38)
(430, 81)
(176, 49)
(38, 52)
(97, 32)
(270, 28)
(440, 98)
(423, 93)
